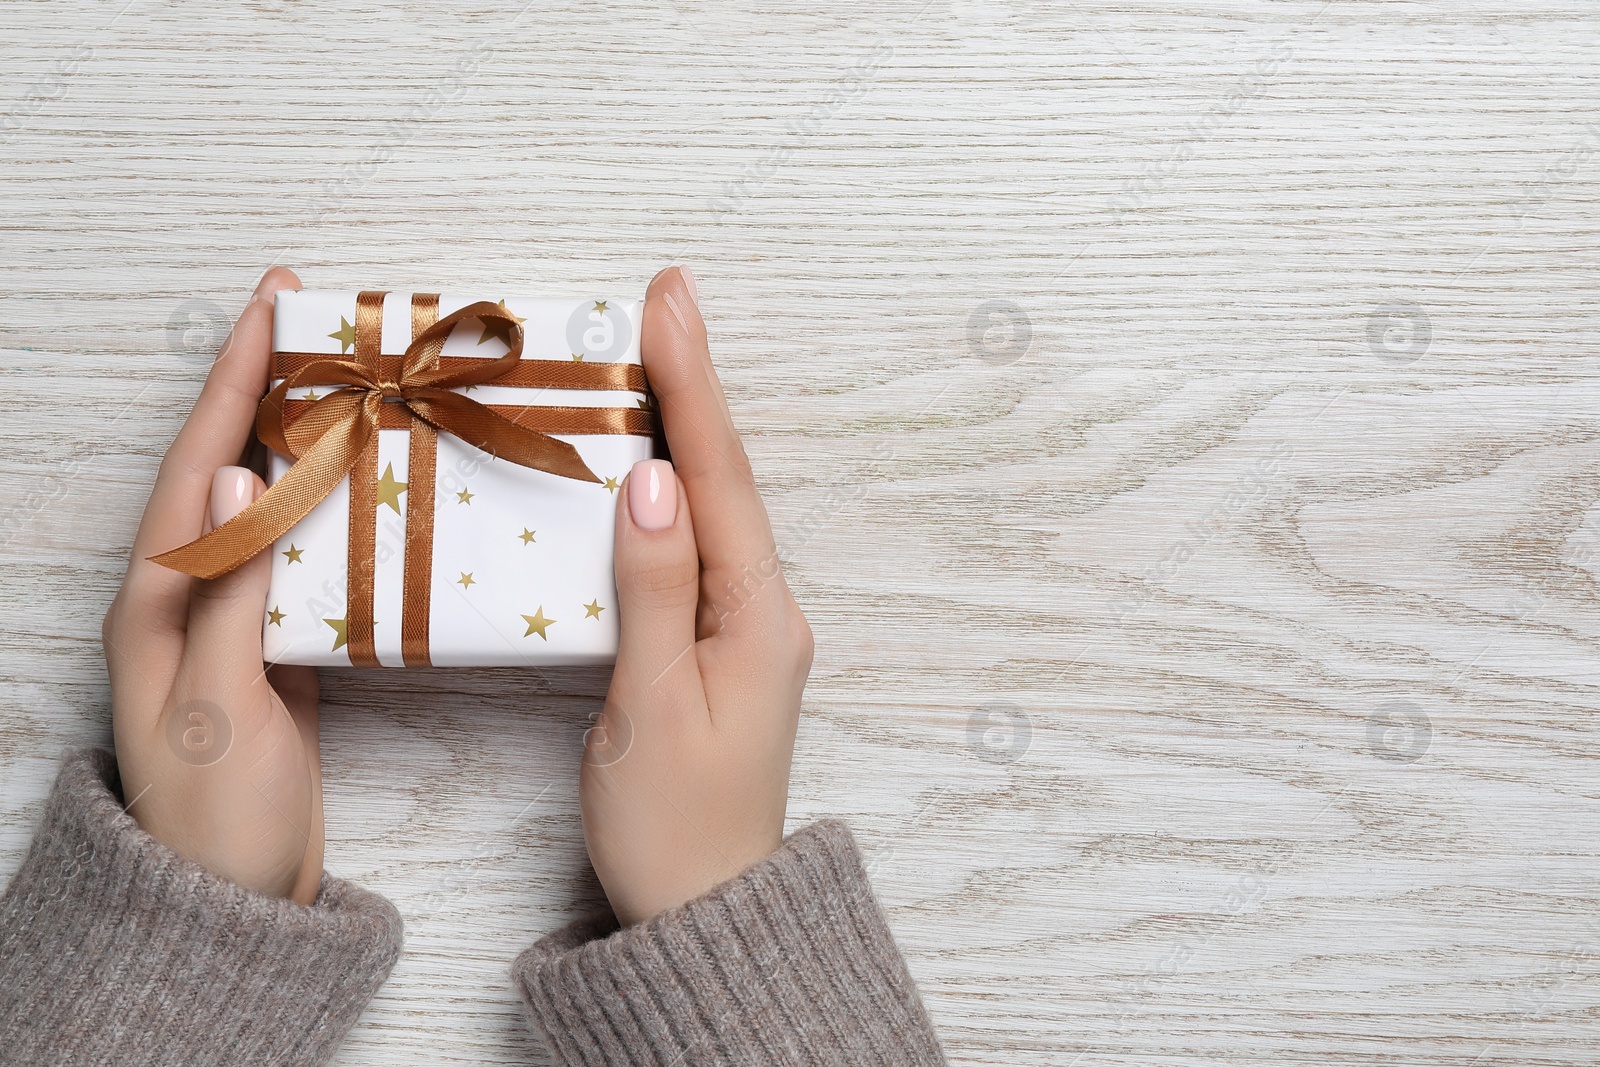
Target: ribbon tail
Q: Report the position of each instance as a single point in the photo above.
(288, 500)
(499, 436)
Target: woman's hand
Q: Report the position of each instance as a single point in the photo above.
(218, 757)
(686, 773)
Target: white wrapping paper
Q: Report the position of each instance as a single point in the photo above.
(522, 560)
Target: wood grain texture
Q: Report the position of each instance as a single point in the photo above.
(1179, 420)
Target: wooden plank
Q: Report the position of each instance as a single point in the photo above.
(1179, 421)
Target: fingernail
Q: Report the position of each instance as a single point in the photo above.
(652, 494)
(232, 490)
(688, 283)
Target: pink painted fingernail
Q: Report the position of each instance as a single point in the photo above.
(232, 490)
(688, 282)
(653, 494)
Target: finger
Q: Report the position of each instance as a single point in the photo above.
(214, 435)
(711, 368)
(658, 580)
(731, 524)
(223, 646)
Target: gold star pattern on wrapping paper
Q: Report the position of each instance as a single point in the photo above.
(276, 617)
(390, 488)
(499, 329)
(537, 623)
(345, 335)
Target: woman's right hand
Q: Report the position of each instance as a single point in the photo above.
(685, 778)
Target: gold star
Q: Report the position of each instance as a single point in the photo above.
(311, 394)
(389, 489)
(275, 617)
(464, 497)
(612, 485)
(577, 357)
(345, 335)
(466, 580)
(294, 553)
(600, 306)
(339, 638)
(594, 609)
(526, 535)
(498, 328)
(537, 623)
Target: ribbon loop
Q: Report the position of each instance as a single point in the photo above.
(329, 438)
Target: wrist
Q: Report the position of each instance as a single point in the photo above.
(696, 870)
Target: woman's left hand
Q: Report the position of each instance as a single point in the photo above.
(218, 755)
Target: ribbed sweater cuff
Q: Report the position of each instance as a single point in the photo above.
(115, 949)
(790, 963)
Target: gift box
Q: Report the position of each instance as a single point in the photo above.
(468, 453)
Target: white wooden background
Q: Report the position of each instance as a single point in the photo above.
(1179, 418)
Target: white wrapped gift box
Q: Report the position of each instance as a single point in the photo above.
(521, 570)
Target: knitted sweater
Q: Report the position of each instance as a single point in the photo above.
(116, 950)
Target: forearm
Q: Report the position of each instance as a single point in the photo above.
(115, 949)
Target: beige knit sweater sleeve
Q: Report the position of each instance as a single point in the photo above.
(790, 963)
(115, 950)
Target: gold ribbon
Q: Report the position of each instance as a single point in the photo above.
(336, 436)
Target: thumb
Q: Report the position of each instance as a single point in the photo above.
(658, 577)
(225, 613)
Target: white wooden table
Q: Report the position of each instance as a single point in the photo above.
(1180, 421)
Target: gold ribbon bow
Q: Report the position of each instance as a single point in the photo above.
(337, 435)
